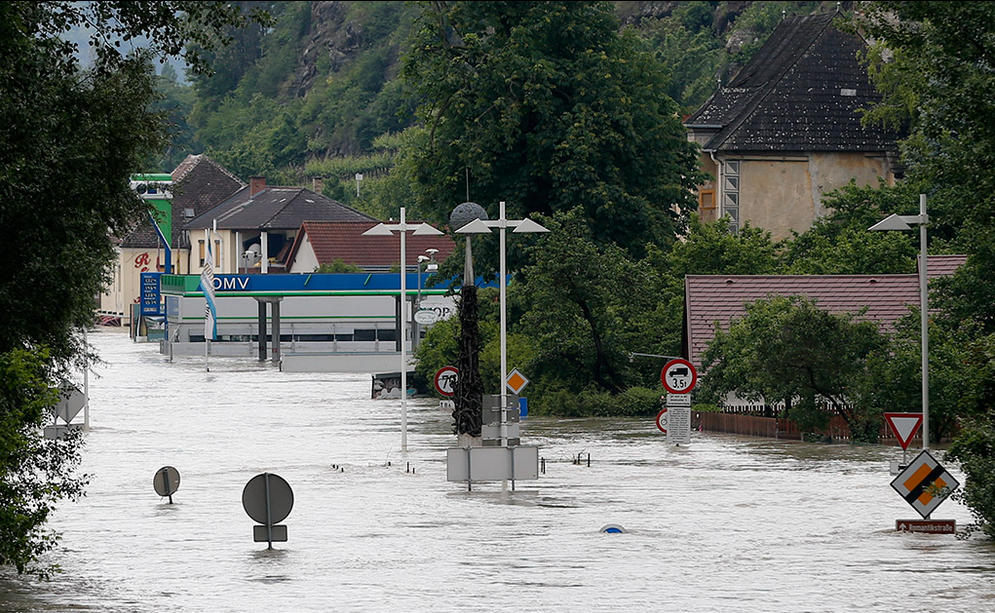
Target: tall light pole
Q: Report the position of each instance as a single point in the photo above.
(480, 226)
(422, 229)
(905, 222)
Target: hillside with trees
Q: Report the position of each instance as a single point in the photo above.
(319, 93)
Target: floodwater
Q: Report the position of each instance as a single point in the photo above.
(726, 524)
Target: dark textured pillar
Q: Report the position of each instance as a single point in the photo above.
(262, 330)
(276, 330)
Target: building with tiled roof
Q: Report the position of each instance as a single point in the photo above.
(325, 242)
(718, 300)
(199, 183)
(256, 226)
(193, 187)
(787, 129)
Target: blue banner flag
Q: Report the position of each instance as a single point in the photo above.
(207, 284)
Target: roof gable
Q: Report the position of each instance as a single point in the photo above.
(802, 91)
(275, 208)
(344, 240)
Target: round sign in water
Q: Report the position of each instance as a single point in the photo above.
(445, 380)
(679, 376)
(267, 498)
(166, 481)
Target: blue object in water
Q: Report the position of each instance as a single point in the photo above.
(523, 408)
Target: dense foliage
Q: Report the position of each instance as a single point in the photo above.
(72, 138)
(548, 107)
(789, 350)
(936, 75)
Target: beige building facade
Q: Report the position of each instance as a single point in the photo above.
(788, 129)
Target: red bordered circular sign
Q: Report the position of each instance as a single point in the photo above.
(678, 376)
(661, 421)
(445, 380)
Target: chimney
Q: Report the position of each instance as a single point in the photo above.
(256, 185)
(316, 185)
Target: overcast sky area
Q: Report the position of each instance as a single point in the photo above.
(81, 37)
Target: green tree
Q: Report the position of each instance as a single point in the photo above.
(581, 299)
(933, 65)
(546, 106)
(839, 243)
(35, 472)
(789, 350)
(338, 266)
(72, 138)
(707, 249)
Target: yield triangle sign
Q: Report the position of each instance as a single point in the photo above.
(904, 425)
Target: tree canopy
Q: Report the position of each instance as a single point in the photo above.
(547, 106)
(72, 139)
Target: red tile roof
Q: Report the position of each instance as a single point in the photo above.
(944, 265)
(344, 240)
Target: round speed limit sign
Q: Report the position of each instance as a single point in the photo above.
(445, 380)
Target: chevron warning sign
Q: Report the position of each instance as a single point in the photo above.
(925, 484)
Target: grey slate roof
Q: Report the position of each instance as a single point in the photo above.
(198, 184)
(275, 208)
(801, 92)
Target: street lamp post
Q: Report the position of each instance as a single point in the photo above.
(480, 226)
(905, 222)
(422, 229)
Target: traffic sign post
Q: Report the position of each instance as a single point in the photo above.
(166, 481)
(268, 499)
(661, 421)
(904, 425)
(924, 484)
(516, 382)
(679, 378)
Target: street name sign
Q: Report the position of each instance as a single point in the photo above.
(924, 484)
(928, 526)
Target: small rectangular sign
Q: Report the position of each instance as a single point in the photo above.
(492, 463)
(930, 526)
(261, 535)
(679, 425)
(678, 400)
(151, 295)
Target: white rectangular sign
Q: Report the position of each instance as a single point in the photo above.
(679, 425)
(678, 400)
(492, 463)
